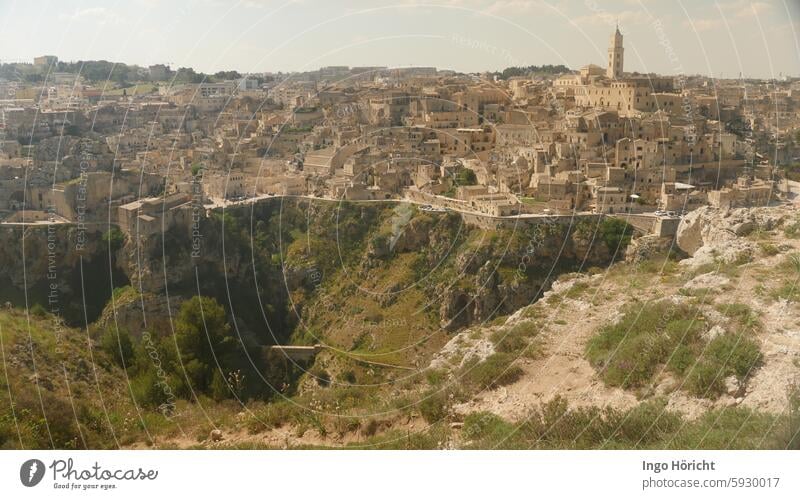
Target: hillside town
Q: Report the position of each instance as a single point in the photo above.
(483, 225)
(152, 152)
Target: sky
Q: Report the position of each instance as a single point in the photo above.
(719, 38)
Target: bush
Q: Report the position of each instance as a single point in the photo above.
(487, 428)
(433, 406)
(616, 234)
(740, 312)
(788, 434)
(204, 339)
(38, 310)
(118, 346)
(739, 355)
(114, 238)
(681, 359)
(349, 376)
(320, 375)
(435, 376)
(497, 370)
(273, 415)
(726, 355)
(466, 177)
(629, 352)
(149, 390)
(219, 387)
(792, 231)
(648, 425)
(508, 343)
(514, 339)
(768, 249)
(705, 380)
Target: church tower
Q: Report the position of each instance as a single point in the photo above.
(615, 57)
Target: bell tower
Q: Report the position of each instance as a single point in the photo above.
(615, 56)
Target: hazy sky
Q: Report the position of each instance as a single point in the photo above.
(716, 37)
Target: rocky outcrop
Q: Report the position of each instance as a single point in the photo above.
(413, 237)
(709, 234)
(503, 280)
(60, 267)
(646, 247)
(135, 313)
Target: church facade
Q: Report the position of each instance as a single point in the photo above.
(613, 90)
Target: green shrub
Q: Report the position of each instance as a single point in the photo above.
(220, 390)
(681, 359)
(114, 238)
(628, 352)
(792, 230)
(497, 370)
(38, 310)
(320, 375)
(726, 355)
(506, 342)
(706, 380)
(788, 434)
(273, 415)
(204, 339)
(434, 406)
(485, 429)
(466, 177)
(435, 376)
(118, 346)
(768, 249)
(349, 376)
(740, 312)
(615, 233)
(149, 390)
(738, 354)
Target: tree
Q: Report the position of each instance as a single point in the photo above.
(547, 69)
(114, 238)
(204, 339)
(188, 75)
(118, 346)
(616, 234)
(227, 75)
(466, 177)
(219, 387)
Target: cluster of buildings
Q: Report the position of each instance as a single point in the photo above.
(598, 140)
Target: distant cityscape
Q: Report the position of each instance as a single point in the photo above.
(522, 143)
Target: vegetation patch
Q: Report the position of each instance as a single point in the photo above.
(648, 337)
(726, 355)
(629, 352)
(495, 371)
(519, 339)
(649, 425)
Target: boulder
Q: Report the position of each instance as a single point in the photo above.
(733, 387)
(713, 333)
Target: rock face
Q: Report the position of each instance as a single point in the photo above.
(271, 270)
(136, 313)
(412, 236)
(61, 268)
(645, 247)
(709, 234)
(503, 281)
